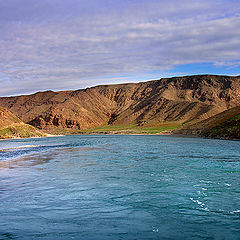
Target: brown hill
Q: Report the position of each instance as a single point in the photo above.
(11, 126)
(7, 118)
(182, 99)
(223, 125)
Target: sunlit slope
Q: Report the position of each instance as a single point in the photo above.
(179, 99)
(12, 127)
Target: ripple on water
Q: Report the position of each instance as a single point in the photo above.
(119, 187)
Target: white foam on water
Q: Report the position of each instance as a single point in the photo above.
(205, 181)
(228, 184)
(154, 229)
(236, 211)
(201, 204)
(24, 146)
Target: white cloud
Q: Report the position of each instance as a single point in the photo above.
(78, 48)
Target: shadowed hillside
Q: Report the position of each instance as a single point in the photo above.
(223, 125)
(229, 129)
(181, 99)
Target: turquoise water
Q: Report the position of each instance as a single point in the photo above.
(119, 187)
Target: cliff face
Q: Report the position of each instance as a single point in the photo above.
(181, 99)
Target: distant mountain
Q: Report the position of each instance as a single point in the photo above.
(11, 126)
(182, 99)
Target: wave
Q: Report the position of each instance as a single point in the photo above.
(12, 148)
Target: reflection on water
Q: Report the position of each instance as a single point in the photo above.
(46, 156)
(119, 187)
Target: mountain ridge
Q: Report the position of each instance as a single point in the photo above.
(184, 99)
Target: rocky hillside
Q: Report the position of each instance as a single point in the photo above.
(182, 99)
(11, 126)
(223, 125)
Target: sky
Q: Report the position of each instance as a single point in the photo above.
(72, 44)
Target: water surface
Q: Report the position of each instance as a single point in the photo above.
(119, 187)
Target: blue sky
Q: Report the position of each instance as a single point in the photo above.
(72, 44)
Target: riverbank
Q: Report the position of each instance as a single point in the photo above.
(168, 128)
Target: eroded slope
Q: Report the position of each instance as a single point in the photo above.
(182, 99)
